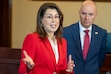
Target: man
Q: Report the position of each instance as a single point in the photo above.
(86, 63)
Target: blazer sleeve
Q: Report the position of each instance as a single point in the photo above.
(29, 46)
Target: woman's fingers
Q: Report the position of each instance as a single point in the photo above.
(29, 65)
(25, 54)
(28, 60)
(71, 64)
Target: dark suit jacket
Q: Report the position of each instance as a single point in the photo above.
(96, 53)
(42, 54)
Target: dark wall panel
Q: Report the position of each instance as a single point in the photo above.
(5, 23)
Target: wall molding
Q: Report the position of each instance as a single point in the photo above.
(74, 0)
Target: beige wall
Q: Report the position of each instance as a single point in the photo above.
(24, 17)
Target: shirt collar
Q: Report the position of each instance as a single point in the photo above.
(83, 28)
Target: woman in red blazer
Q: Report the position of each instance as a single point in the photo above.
(44, 51)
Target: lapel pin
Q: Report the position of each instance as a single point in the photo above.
(96, 32)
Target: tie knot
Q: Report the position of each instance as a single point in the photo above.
(86, 31)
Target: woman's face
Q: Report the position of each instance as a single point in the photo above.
(51, 20)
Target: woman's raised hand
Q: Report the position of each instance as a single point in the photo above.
(71, 64)
(28, 60)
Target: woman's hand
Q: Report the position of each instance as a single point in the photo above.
(28, 60)
(71, 65)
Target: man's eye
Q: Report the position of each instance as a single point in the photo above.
(91, 14)
(83, 13)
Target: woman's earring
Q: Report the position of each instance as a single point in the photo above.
(41, 24)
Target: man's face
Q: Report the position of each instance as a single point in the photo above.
(87, 15)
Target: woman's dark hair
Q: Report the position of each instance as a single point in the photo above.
(41, 12)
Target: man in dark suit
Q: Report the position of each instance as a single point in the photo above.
(74, 34)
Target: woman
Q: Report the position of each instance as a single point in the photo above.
(44, 51)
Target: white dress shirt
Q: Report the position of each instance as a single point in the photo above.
(82, 33)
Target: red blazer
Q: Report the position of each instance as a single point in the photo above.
(41, 52)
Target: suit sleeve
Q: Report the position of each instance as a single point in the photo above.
(102, 53)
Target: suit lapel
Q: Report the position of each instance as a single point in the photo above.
(93, 42)
(76, 37)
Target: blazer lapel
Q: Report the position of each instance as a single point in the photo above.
(49, 48)
(59, 51)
